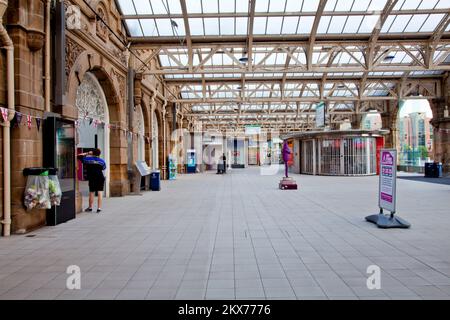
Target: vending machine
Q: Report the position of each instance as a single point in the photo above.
(59, 153)
(190, 161)
(172, 165)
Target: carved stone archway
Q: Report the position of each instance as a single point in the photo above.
(93, 119)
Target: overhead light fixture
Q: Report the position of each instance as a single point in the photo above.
(243, 60)
(240, 87)
(173, 23)
(341, 86)
(389, 57)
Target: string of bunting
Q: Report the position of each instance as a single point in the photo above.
(18, 117)
(95, 123)
(17, 120)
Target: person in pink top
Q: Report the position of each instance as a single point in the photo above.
(286, 151)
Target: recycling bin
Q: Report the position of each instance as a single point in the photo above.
(155, 181)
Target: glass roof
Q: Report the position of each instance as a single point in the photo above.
(230, 17)
(216, 33)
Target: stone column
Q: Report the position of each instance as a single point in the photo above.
(389, 122)
(163, 165)
(441, 131)
(25, 27)
(150, 145)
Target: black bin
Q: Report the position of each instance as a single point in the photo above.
(433, 170)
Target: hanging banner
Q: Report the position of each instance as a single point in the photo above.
(5, 113)
(388, 177)
(38, 123)
(17, 119)
(29, 122)
(320, 115)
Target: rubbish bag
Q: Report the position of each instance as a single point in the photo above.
(54, 189)
(37, 192)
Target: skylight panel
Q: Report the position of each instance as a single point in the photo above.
(428, 4)
(127, 7)
(411, 4)
(323, 24)
(134, 28)
(290, 25)
(431, 23)
(210, 6)
(211, 25)
(259, 25)
(226, 26)
(353, 23)
(143, 7)
(274, 25)
(195, 59)
(164, 60)
(387, 24)
(294, 5)
(226, 6)
(360, 5)
(158, 6)
(305, 25)
(174, 6)
(345, 5)
(337, 24)
(149, 27)
(443, 4)
(310, 5)
(196, 26)
(277, 6)
(241, 25)
(195, 6)
(261, 5)
(377, 5)
(416, 22)
(330, 5)
(165, 28)
(241, 6)
(368, 24)
(399, 23)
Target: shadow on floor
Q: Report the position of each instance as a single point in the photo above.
(445, 180)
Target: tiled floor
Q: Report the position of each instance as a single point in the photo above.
(237, 236)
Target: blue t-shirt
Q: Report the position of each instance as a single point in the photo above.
(94, 166)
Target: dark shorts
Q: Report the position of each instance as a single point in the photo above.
(96, 184)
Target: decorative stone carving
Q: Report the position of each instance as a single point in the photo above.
(35, 40)
(101, 28)
(73, 51)
(89, 101)
(122, 83)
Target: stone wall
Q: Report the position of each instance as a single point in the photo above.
(25, 24)
(92, 49)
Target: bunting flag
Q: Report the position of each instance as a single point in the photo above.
(90, 121)
(5, 113)
(29, 121)
(17, 119)
(38, 123)
(95, 123)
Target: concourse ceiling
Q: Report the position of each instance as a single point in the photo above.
(270, 62)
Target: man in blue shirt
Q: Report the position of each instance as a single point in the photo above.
(95, 167)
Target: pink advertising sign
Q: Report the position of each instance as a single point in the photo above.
(388, 177)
